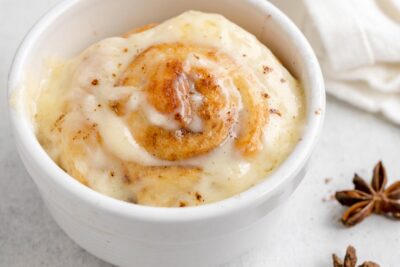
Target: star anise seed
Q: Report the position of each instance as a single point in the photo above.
(366, 198)
(350, 260)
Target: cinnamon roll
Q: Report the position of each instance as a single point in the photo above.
(190, 111)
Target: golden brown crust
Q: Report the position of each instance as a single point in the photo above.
(78, 148)
(168, 86)
(165, 186)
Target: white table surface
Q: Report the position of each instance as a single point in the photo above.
(351, 141)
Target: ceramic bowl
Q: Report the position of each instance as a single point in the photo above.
(131, 235)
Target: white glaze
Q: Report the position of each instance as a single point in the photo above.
(225, 171)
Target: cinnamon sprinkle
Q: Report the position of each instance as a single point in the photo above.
(265, 95)
(267, 69)
(275, 111)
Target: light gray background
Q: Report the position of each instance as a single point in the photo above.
(351, 141)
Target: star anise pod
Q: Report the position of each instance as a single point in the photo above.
(367, 198)
(350, 260)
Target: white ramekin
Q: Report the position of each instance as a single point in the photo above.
(131, 235)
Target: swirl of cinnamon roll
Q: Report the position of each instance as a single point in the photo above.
(201, 92)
